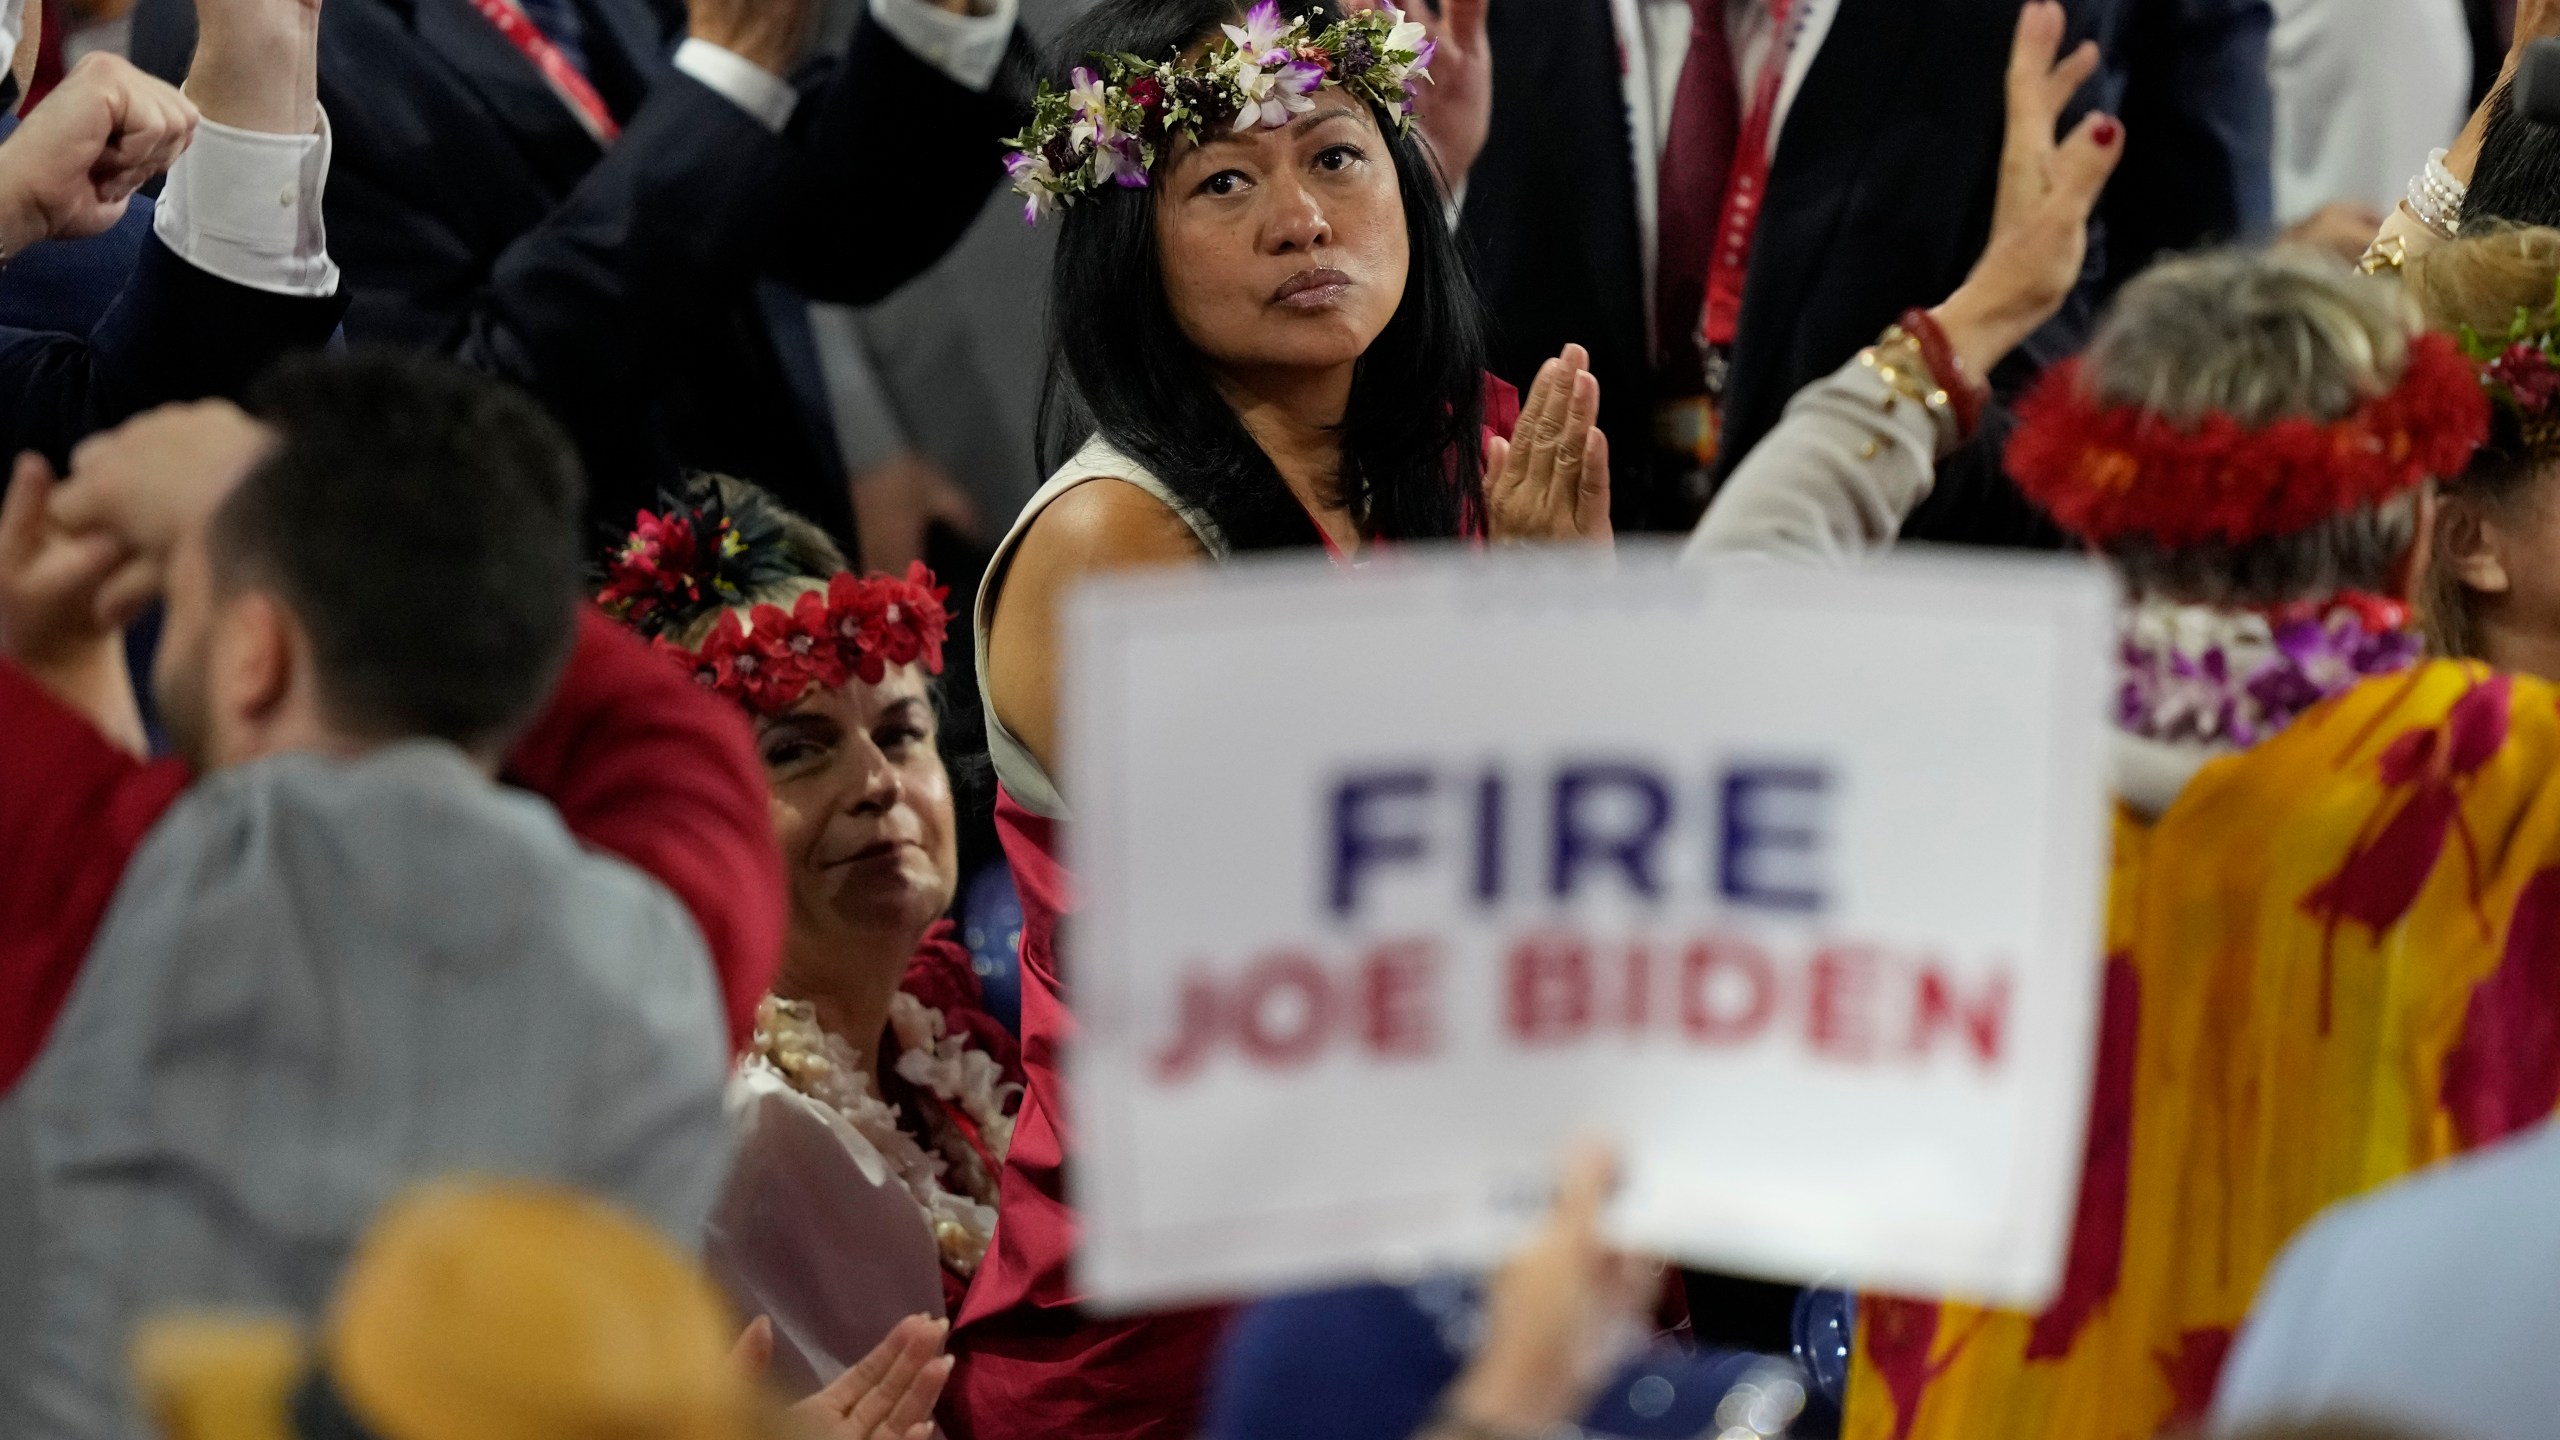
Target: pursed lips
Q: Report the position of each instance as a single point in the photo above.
(1309, 288)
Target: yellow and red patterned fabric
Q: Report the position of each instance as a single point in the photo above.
(2335, 959)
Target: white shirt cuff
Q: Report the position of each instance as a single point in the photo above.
(740, 81)
(968, 48)
(245, 205)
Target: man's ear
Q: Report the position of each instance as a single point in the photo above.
(2467, 545)
(257, 649)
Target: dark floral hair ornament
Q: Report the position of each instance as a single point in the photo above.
(2518, 372)
(695, 557)
(690, 559)
(1118, 116)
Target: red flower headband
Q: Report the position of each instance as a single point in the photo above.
(675, 567)
(2108, 472)
(857, 628)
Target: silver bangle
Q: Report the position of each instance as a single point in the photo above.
(2435, 197)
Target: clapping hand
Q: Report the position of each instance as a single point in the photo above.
(70, 169)
(2048, 187)
(1550, 480)
(888, 1395)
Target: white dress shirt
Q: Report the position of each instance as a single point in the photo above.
(968, 48)
(245, 205)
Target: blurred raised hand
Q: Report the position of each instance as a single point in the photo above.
(1561, 1314)
(2048, 187)
(1455, 109)
(896, 501)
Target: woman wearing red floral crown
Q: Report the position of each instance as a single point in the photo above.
(875, 1103)
(2336, 872)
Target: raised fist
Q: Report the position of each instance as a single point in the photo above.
(103, 133)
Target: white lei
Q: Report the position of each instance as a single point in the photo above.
(831, 1072)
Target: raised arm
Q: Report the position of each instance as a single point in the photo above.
(845, 185)
(231, 280)
(2439, 191)
(948, 79)
(1857, 450)
(638, 760)
(75, 796)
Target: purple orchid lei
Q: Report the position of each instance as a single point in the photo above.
(2195, 674)
(1116, 118)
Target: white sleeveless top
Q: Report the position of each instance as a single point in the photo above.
(1021, 774)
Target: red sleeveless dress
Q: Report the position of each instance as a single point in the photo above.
(1030, 1364)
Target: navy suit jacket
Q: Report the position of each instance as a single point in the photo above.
(67, 285)
(95, 330)
(620, 284)
(173, 332)
(1879, 199)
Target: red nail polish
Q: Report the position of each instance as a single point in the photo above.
(2106, 133)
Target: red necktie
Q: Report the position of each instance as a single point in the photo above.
(1706, 120)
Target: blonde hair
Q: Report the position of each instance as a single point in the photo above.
(2260, 336)
(2484, 278)
(2480, 281)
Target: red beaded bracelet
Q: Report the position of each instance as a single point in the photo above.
(1965, 395)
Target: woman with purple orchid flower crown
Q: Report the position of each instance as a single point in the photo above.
(1263, 338)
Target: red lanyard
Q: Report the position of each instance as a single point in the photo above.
(556, 71)
(1745, 186)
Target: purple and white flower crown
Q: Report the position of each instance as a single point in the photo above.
(1113, 124)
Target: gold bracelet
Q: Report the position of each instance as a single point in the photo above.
(1899, 363)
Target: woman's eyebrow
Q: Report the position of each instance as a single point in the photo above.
(1302, 124)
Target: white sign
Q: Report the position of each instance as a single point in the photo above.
(1394, 882)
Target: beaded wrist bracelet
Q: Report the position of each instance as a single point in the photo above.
(2435, 197)
(1965, 395)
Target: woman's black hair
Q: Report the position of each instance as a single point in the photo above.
(1119, 363)
(2517, 177)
